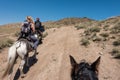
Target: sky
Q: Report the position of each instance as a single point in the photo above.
(13, 11)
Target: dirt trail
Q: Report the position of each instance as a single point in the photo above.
(54, 55)
(53, 58)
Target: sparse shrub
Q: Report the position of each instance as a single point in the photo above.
(106, 27)
(17, 34)
(45, 34)
(79, 27)
(5, 43)
(116, 43)
(91, 30)
(9, 41)
(96, 39)
(85, 42)
(87, 31)
(47, 27)
(104, 34)
(52, 26)
(114, 21)
(105, 39)
(99, 24)
(93, 35)
(116, 29)
(117, 56)
(112, 37)
(95, 29)
(116, 53)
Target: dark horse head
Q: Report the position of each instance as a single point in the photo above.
(83, 70)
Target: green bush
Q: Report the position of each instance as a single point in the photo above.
(6, 43)
(79, 27)
(117, 56)
(85, 42)
(114, 51)
(87, 31)
(105, 39)
(96, 39)
(91, 30)
(104, 34)
(95, 29)
(106, 27)
(116, 29)
(113, 37)
(116, 43)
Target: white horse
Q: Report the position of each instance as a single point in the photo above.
(20, 48)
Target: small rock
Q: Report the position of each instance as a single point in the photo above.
(100, 53)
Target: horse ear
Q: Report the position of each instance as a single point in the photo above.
(72, 61)
(95, 64)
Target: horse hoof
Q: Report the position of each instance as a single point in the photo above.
(37, 53)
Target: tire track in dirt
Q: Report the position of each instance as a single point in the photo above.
(69, 49)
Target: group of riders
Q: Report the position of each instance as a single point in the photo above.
(29, 29)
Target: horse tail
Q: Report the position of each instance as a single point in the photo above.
(11, 60)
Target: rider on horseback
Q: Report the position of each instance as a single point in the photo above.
(28, 31)
(39, 28)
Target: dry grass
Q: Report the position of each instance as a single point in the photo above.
(104, 34)
(5, 42)
(9, 28)
(68, 22)
(85, 42)
(116, 28)
(45, 34)
(5, 32)
(91, 30)
(116, 42)
(79, 27)
(116, 53)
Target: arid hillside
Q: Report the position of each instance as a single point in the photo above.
(83, 38)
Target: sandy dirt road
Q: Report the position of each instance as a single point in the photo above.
(53, 59)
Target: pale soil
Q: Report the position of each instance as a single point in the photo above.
(53, 58)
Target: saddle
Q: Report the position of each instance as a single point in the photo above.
(28, 43)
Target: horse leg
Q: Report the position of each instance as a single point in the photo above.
(21, 68)
(11, 61)
(34, 55)
(10, 72)
(9, 77)
(27, 60)
(35, 46)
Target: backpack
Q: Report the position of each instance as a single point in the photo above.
(26, 28)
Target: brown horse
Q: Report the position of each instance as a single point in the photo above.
(83, 70)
